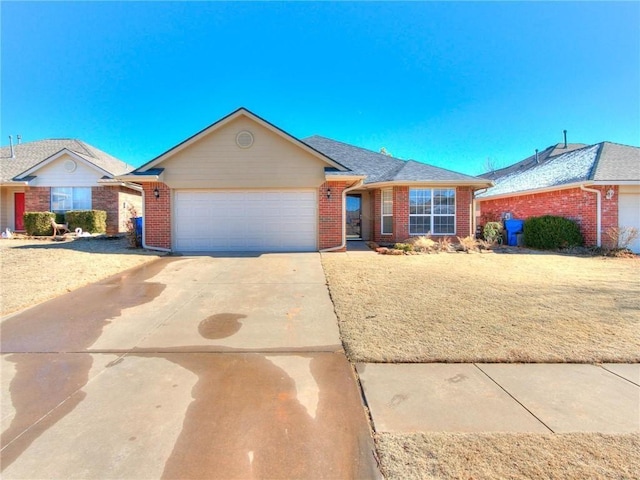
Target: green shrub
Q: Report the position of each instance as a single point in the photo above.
(38, 223)
(60, 218)
(92, 221)
(405, 247)
(492, 231)
(550, 232)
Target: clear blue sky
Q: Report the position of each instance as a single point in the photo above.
(450, 84)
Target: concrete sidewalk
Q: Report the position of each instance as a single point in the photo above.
(536, 398)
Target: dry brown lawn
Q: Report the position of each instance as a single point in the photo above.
(486, 307)
(448, 456)
(32, 271)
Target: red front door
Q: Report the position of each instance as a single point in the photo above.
(18, 201)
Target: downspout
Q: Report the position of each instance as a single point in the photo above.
(598, 213)
(144, 230)
(355, 186)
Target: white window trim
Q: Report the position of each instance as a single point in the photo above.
(382, 214)
(432, 215)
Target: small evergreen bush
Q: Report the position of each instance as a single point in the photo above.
(492, 231)
(405, 247)
(550, 232)
(92, 221)
(38, 223)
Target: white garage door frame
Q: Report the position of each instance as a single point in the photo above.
(270, 220)
(629, 210)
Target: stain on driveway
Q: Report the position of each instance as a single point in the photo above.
(148, 375)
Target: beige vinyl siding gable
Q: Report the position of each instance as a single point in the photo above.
(215, 161)
(55, 175)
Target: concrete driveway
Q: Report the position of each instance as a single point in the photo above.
(188, 367)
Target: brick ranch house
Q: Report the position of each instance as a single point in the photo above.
(598, 186)
(60, 175)
(244, 184)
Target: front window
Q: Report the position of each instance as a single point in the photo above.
(387, 211)
(432, 211)
(64, 199)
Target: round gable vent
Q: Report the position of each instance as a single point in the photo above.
(69, 166)
(244, 139)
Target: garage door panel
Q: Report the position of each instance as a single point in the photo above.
(629, 215)
(250, 221)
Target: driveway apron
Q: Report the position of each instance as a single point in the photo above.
(188, 367)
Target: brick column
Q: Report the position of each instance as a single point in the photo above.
(400, 213)
(463, 211)
(157, 215)
(106, 198)
(330, 214)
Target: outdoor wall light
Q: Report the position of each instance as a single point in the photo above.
(610, 194)
(328, 194)
(156, 192)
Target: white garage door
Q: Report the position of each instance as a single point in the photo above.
(267, 221)
(629, 211)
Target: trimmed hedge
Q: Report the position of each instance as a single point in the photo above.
(38, 223)
(92, 221)
(550, 232)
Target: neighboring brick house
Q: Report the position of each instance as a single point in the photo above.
(244, 184)
(598, 186)
(60, 175)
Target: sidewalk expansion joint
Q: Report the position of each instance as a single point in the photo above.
(619, 376)
(514, 398)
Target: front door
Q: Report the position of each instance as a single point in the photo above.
(354, 216)
(18, 202)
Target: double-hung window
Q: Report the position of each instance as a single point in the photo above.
(64, 199)
(387, 211)
(432, 211)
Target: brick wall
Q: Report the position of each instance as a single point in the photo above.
(330, 214)
(37, 199)
(401, 215)
(157, 215)
(464, 196)
(106, 198)
(571, 203)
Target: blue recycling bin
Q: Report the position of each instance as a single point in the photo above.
(513, 227)
(138, 223)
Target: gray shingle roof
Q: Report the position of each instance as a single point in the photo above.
(530, 162)
(30, 154)
(600, 162)
(618, 163)
(381, 168)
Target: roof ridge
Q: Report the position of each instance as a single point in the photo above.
(356, 147)
(85, 147)
(621, 144)
(441, 168)
(594, 167)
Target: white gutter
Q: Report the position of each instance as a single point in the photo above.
(356, 185)
(134, 186)
(110, 183)
(144, 231)
(598, 213)
(533, 191)
(616, 182)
